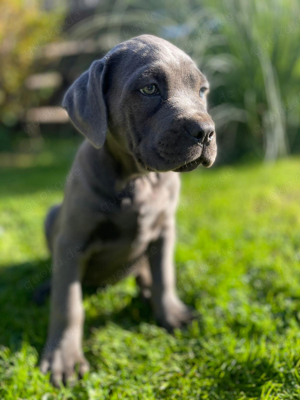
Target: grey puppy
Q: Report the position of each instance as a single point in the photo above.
(143, 111)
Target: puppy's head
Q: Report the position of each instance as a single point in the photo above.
(151, 97)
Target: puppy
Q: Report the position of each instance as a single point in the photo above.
(142, 109)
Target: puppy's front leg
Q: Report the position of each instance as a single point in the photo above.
(63, 349)
(169, 310)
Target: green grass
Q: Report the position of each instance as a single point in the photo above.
(237, 257)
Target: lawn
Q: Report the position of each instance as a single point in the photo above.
(237, 257)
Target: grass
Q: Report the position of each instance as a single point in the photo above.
(237, 258)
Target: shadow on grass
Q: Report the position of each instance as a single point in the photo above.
(23, 319)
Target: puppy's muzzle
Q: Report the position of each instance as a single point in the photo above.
(202, 132)
(190, 144)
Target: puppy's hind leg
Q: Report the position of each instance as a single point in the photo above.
(41, 293)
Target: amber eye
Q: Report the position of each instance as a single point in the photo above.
(202, 92)
(150, 90)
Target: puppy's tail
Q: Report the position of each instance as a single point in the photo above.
(50, 223)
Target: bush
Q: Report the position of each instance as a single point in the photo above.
(256, 67)
(24, 29)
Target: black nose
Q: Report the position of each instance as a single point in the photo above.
(201, 131)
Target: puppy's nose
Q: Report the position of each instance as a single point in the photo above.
(201, 131)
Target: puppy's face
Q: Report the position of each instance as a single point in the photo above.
(157, 107)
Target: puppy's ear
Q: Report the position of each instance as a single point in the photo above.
(84, 102)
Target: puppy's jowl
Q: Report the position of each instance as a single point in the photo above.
(142, 109)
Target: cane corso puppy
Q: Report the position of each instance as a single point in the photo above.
(142, 109)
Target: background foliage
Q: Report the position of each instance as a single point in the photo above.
(24, 29)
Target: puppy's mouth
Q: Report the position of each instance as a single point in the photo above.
(189, 166)
(169, 164)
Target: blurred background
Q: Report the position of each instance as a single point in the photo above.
(248, 50)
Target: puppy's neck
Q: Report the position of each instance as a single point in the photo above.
(125, 163)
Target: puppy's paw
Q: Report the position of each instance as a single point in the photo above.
(61, 360)
(172, 313)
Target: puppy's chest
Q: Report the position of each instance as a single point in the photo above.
(145, 210)
(128, 226)
(131, 223)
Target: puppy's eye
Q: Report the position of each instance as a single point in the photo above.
(202, 92)
(150, 90)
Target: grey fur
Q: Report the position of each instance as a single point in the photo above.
(118, 213)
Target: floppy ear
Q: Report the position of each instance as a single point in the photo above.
(84, 102)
